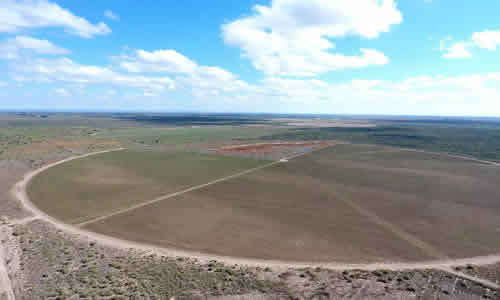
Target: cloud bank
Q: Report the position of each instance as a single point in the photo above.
(18, 15)
(293, 37)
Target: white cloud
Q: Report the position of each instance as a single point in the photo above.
(470, 82)
(149, 94)
(67, 71)
(111, 15)
(214, 78)
(212, 81)
(168, 61)
(416, 87)
(292, 37)
(488, 39)
(365, 84)
(3, 83)
(494, 76)
(455, 95)
(457, 51)
(218, 88)
(17, 15)
(62, 92)
(286, 90)
(200, 79)
(187, 75)
(12, 47)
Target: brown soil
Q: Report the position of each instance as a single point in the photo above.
(82, 269)
(271, 147)
(87, 188)
(10, 172)
(58, 265)
(488, 272)
(321, 207)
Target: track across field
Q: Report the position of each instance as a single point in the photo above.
(347, 203)
(93, 186)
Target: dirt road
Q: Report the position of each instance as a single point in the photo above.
(194, 188)
(6, 291)
(19, 190)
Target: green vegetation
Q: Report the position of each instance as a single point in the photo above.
(90, 187)
(39, 138)
(467, 139)
(64, 269)
(321, 206)
(188, 135)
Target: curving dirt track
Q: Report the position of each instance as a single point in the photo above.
(19, 190)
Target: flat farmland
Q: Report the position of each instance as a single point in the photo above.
(282, 220)
(90, 187)
(346, 203)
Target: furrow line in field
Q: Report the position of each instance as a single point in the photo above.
(193, 188)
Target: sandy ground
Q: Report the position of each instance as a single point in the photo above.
(44, 260)
(11, 172)
(20, 192)
(302, 280)
(56, 264)
(271, 147)
(354, 224)
(6, 291)
(194, 188)
(261, 149)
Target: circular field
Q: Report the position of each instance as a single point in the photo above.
(346, 203)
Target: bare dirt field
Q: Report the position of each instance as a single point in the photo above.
(271, 147)
(43, 258)
(90, 187)
(260, 149)
(347, 203)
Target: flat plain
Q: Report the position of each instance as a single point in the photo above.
(347, 203)
(325, 215)
(90, 187)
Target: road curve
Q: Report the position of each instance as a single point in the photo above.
(19, 191)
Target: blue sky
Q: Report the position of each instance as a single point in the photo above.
(421, 57)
